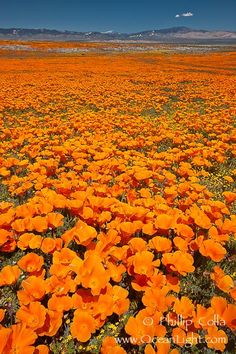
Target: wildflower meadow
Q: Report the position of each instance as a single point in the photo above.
(117, 202)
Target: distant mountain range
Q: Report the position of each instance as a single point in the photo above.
(174, 34)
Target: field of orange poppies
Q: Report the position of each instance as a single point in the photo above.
(117, 203)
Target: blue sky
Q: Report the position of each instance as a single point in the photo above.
(120, 15)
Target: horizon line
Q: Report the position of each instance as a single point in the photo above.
(114, 31)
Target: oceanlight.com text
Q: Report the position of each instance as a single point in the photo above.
(188, 342)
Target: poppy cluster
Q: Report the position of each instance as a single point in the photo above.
(117, 188)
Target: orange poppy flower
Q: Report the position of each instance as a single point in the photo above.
(84, 233)
(164, 221)
(202, 220)
(179, 261)
(60, 286)
(48, 245)
(137, 244)
(116, 271)
(33, 315)
(43, 207)
(92, 273)
(223, 281)
(228, 226)
(35, 242)
(7, 218)
(155, 299)
(25, 211)
(181, 244)
(21, 225)
(216, 236)
(31, 263)
(54, 220)
(184, 231)
(4, 339)
(24, 240)
(148, 229)
(21, 340)
(219, 305)
(60, 270)
(9, 275)
(33, 289)
(128, 228)
(87, 213)
(110, 346)
(64, 257)
(104, 217)
(216, 339)
(51, 325)
(4, 236)
(103, 306)
(5, 206)
(75, 205)
(179, 336)
(161, 244)
(229, 316)
(83, 326)
(202, 316)
(120, 300)
(184, 307)
(144, 328)
(213, 250)
(230, 197)
(60, 303)
(142, 175)
(143, 263)
(39, 223)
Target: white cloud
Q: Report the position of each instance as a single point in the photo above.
(185, 14)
